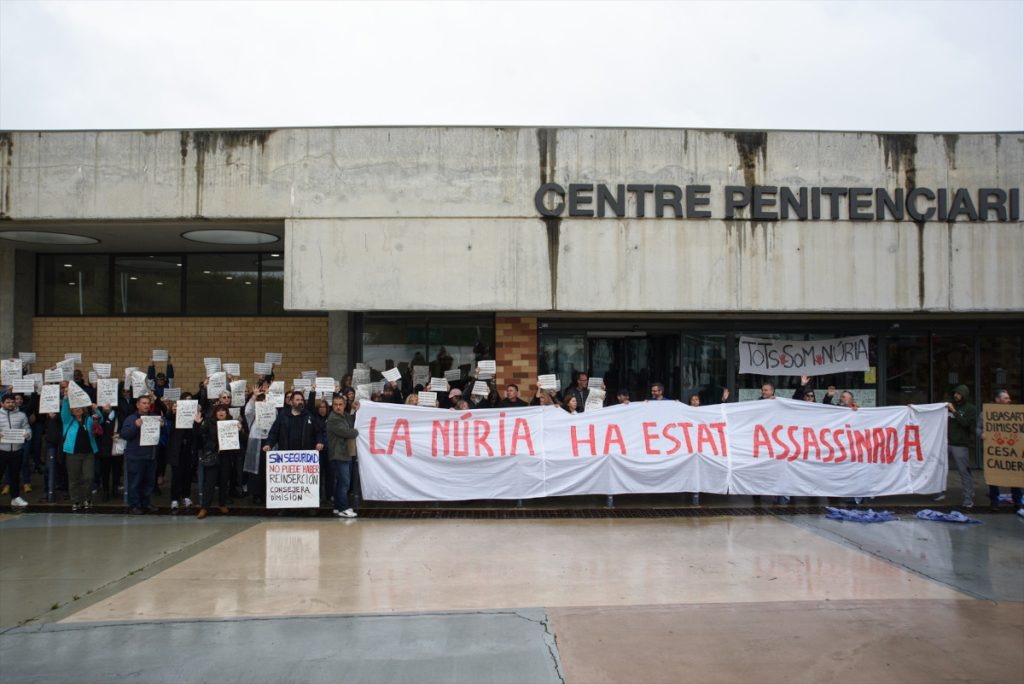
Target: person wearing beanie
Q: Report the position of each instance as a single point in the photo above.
(960, 433)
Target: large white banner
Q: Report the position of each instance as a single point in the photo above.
(780, 447)
(803, 357)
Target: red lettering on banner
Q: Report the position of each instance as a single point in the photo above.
(374, 449)
(810, 439)
(791, 433)
(686, 435)
(400, 433)
(648, 438)
(614, 436)
(863, 439)
(666, 432)
(915, 432)
(481, 429)
(782, 445)
(761, 440)
(831, 449)
(720, 429)
(576, 441)
(440, 427)
(892, 444)
(704, 436)
(521, 423)
(878, 445)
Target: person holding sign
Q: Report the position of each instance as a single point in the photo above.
(140, 459)
(341, 429)
(15, 430)
(294, 430)
(184, 422)
(160, 381)
(1003, 397)
(960, 434)
(80, 449)
(221, 448)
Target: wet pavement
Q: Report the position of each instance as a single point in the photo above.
(726, 598)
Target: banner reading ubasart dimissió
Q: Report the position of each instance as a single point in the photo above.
(780, 447)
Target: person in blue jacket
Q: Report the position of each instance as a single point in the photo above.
(80, 449)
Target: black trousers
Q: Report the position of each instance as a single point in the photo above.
(218, 475)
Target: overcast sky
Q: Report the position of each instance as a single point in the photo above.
(900, 66)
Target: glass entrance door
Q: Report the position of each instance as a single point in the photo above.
(634, 361)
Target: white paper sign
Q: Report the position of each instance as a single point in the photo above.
(10, 370)
(453, 374)
(308, 375)
(428, 399)
(67, 368)
(227, 435)
(232, 369)
(150, 432)
(438, 385)
(93, 377)
(262, 368)
(275, 398)
(139, 386)
(216, 385)
(128, 374)
(420, 375)
(160, 355)
(74, 356)
(27, 357)
(106, 392)
(171, 394)
(36, 378)
(266, 414)
(102, 370)
(235, 411)
(212, 361)
(376, 387)
(23, 386)
(364, 392)
(547, 382)
(186, 414)
(276, 387)
(325, 385)
(804, 357)
(392, 375)
(49, 399)
(238, 393)
(480, 389)
(53, 375)
(595, 383)
(595, 400)
(12, 436)
(293, 479)
(360, 376)
(302, 385)
(77, 397)
(487, 369)
(272, 357)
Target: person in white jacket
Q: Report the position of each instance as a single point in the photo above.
(16, 431)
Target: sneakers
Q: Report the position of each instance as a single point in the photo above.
(18, 502)
(941, 496)
(76, 507)
(347, 513)
(174, 508)
(188, 503)
(87, 505)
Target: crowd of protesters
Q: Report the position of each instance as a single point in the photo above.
(95, 453)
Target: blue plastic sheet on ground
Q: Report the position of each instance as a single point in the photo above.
(952, 516)
(856, 515)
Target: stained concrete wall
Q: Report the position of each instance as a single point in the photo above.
(444, 218)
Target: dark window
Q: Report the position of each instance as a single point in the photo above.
(223, 284)
(74, 285)
(272, 284)
(147, 284)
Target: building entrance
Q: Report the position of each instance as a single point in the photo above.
(634, 360)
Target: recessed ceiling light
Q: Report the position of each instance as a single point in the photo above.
(275, 255)
(247, 282)
(228, 278)
(230, 237)
(68, 266)
(159, 283)
(71, 283)
(41, 237)
(177, 264)
(133, 278)
(206, 272)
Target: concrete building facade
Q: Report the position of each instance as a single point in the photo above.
(636, 254)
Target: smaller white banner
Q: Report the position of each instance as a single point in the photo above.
(293, 479)
(595, 400)
(272, 357)
(139, 386)
(77, 398)
(12, 436)
(487, 369)
(74, 356)
(23, 386)
(106, 392)
(150, 431)
(325, 385)
(160, 355)
(428, 399)
(172, 394)
(547, 382)
(232, 369)
(186, 415)
(10, 370)
(227, 435)
(438, 385)
(803, 357)
(480, 389)
(454, 374)
(53, 375)
(216, 385)
(212, 361)
(302, 385)
(49, 399)
(262, 368)
(308, 375)
(238, 392)
(266, 414)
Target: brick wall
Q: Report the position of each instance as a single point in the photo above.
(516, 353)
(127, 342)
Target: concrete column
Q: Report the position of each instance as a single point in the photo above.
(17, 300)
(338, 362)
